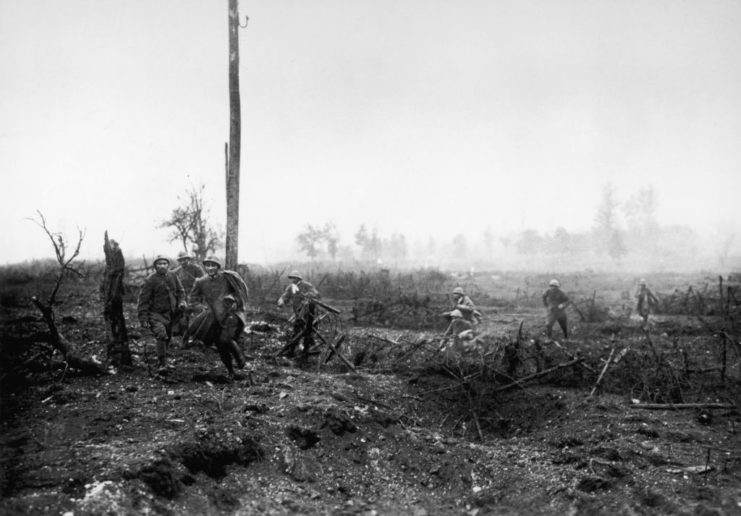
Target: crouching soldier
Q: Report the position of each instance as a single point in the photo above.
(225, 295)
(463, 317)
(301, 294)
(160, 299)
(556, 302)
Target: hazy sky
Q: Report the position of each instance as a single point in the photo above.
(414, 116)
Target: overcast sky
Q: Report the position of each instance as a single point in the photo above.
(414, 116)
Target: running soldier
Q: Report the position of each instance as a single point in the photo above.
(160, 299)
(225, 295)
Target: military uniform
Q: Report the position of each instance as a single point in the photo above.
(187, 273)
(160, 298)
(467, 309)
(300, 295)
(225, 296)
(646, 301)
(464, 314)
(555, 301)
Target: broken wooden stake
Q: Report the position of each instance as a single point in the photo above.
(681, 406)
(602, 374)
(336, 351)
(537, 375)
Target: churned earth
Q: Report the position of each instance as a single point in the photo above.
(294, 438)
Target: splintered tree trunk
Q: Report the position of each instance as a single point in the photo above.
(235, 128)
(113, 290)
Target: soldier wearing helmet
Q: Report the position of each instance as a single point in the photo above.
(225, 296)
(300, 294)
(556, 302)
(160, 298)
(187, 272)
(463, 314)
(464, 304)
(645, 301)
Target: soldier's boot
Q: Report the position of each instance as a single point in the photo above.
(161, 356)
(236, 351)
(291, 349)
(226, 357)
(308, 344)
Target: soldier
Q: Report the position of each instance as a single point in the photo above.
(555, 301)
(225, 295)
(301, 294)
(464, 315)
(161, 297)
(646, 301)
(187, 272)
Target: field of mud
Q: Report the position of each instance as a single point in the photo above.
(416, 426)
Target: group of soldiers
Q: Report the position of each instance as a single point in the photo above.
(164, 308)
(464, 316)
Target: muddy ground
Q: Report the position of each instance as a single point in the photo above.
(410, 431)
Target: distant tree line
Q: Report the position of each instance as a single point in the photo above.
(621, 231)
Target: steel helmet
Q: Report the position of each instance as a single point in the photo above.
(458, 290)
(295, 274)
(554, 283)
(642, 282)
(184, 254)
(212, 259)
(161, 258)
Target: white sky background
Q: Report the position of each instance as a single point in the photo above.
(416, 116)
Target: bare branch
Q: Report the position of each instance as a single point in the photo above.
(60, 250)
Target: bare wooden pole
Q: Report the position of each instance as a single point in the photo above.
(723, 350)
(235, 135)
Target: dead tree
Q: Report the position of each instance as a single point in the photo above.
(57, 340)
(112, 290)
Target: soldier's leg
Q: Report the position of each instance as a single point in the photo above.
(295, 338)
(229, 334)
(226, 355)
(643, 311)
(308, 329)
(162, 334)
(550, 321)
(185, 325)
(563, 323)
